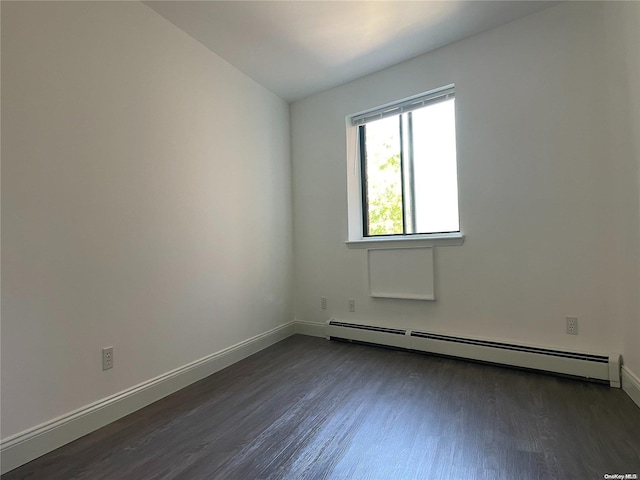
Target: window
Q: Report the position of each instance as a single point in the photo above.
(408, 171)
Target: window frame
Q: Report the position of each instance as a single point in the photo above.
(357, 210)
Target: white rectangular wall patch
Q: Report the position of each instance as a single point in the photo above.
(405, 273)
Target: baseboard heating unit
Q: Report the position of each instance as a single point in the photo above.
(579, 364)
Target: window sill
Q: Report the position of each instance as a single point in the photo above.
(435, 240)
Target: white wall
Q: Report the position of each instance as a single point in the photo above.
(146, 204)
(146, 196)
(632, 42)
(622, 34)
(537, 190)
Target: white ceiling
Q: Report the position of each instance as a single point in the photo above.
(298, 48)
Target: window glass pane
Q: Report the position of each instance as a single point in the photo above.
(434, 164)
(384, 185)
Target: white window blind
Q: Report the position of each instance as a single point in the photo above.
(404, 106)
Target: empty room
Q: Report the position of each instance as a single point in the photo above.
(320, 240)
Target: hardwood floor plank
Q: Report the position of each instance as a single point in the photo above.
(307, 408)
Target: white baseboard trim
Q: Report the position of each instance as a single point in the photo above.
(37, 441)
(311, 329)
(630, 384)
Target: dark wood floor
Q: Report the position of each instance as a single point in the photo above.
(308, 408)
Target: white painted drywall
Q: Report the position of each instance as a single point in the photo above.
(146, 204)
(632, 36)
(405, 273)
(537, 190)
(622, 35)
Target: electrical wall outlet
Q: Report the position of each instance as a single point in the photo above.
(107, 358)
(572, 325)
(352, 304)
(323, 303)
